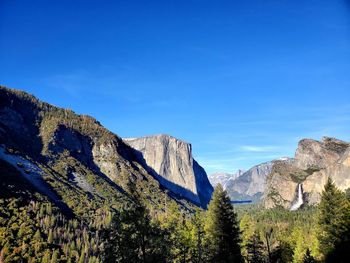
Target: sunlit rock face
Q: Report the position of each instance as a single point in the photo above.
(314, 162)
(170, 161)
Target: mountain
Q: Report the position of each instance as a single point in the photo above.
(170, 161)
(76, 163)
(223, 178)
(246, 185)
(291, 184)
(251, 184)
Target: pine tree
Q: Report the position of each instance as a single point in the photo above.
(133, 237)
(334, 224)
(198, 237)
(82, 257)
(47, 256)
(55, 256)
(223, 235)
(247, 227)
(180, 234)
(255, 249)
(308, 258)
(50, 236)
(299, 245)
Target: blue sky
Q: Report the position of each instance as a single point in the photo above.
(243, 81)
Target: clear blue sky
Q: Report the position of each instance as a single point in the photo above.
(242, 81)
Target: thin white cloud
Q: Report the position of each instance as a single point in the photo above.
(253, 148)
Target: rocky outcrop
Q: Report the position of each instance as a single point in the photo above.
(311, 153)
(170, 161)
(314, 162)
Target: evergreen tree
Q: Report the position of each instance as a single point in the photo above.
(255, 249)
(308, 258)
(50, 237)
(133, 237)
(82, 257)
(283, 253)
(198, 237)
(223, 235)
(55, 257)
(47, 256)
(334, 224)
(247, 227)
(299, 245)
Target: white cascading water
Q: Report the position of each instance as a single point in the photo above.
(300, 200)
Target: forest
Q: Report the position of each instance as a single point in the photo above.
(34, 230)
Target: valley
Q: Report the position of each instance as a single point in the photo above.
(72, 191)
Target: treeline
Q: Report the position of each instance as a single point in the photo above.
(32, 231)
(312, 234)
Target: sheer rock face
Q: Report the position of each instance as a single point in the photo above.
(170, 161)
(314, 162)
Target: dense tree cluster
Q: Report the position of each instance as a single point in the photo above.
(36, 231)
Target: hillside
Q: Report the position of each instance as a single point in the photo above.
(72, 159)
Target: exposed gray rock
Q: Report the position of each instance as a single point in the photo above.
(315, 161)
(319, 154)
(170, 161)
(251, 184)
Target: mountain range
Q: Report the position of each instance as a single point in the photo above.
(283, 181)
(79, 165)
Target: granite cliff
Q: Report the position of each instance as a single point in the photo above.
(170, 161)
(314, 162)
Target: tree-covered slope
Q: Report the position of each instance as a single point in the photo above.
(72, 159)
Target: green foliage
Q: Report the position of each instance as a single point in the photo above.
(334, 224)
(255, 249)
(133, 237)
(34, 230)
(222, 231)
(299, 244)
(248, 228)
(308, 258)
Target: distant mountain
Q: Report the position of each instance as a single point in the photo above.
(223, 178)
(246, 185)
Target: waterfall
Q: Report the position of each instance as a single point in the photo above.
(299, 201)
